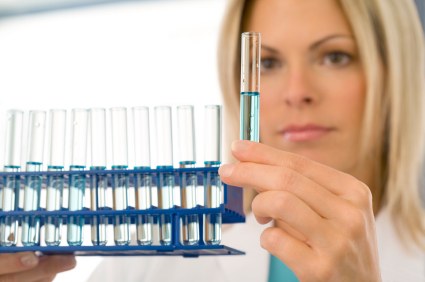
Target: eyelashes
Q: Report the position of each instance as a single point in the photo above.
(337, 58)
(269, 64)
(334, 59)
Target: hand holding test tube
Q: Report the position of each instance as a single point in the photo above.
(143, 181)
(9, 199)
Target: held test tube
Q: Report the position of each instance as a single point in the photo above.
(186, 142)
(212, 184)
(120, 182)
(250, 86)
(143, 181)
(10, 193)
(31, 224)
(77, 182)
(98, 182)
(164, 149)
(55, 182)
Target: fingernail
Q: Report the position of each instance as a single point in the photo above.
(239, 145)
(226, 170)
(29, 260)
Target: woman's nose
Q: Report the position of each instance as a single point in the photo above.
(298, 91)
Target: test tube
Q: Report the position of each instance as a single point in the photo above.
(250, 86)
(77, 181)
(10, 192)
(212, 184)
(143, 180)
(31, 224)
(55, 182)
(164, 149)
(98, 182)
(120, 181)
(188, 181)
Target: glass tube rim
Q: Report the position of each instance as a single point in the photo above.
(113, 109)
(185, 107)
(55, 110)
(251, 34)
(135, 108)
(97, 109)
(162, 107)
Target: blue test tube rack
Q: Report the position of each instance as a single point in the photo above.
(231, 210)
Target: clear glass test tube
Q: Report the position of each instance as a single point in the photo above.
(77, 182)
(144, 222)
(31, 224)
(120, 181)
(55, 183)
(188, 181)
(212, 184)
(165, 183)
(9, 200)
(250, 86)
(98, 182)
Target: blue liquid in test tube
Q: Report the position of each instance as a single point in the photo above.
(98, 182)
(164, 146)
(77, 182)
(212, 185)
(32, 190)
(186, 138)
(10, 192)
(55, 183)
(143, 181)
(120, 181)
(250, 86)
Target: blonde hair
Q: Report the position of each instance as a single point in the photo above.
(391, 46)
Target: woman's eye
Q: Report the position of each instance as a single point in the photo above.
(336, 59)
(269, 64)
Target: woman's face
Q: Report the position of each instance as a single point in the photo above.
(312, 81)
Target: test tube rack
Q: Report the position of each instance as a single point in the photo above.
(231, 210)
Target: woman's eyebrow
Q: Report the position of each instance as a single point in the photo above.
(330, 37)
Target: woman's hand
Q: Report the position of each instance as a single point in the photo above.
(27, 266)
(324, 224)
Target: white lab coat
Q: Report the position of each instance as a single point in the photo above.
(397, 265)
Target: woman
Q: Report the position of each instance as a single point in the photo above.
(342, 84)
(342, 144)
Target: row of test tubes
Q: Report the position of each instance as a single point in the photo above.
(95, 119)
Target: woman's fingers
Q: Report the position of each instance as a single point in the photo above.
(334, 180)
(263, 178)
(295, 213)
(46, 269)
(17, 262)
(287, 248)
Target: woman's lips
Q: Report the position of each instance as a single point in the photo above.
(304, 133)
